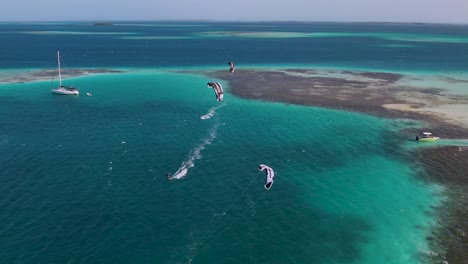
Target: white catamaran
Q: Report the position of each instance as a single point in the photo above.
(67, 90)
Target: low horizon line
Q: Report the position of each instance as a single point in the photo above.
(235, 21)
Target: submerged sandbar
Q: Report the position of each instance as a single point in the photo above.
(41, 75)
(377, 93)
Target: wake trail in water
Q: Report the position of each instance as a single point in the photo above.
(195, 154)
(211, 112)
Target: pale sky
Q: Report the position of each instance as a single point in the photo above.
(436, 11)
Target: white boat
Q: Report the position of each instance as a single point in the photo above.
(66, 90)
(426, 137)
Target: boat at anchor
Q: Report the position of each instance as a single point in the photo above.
(62, 89)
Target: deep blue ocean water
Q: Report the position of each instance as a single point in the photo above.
(187, 48)
(83, 178)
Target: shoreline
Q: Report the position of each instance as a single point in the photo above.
(384, 95)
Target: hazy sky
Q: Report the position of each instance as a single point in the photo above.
(446, 11)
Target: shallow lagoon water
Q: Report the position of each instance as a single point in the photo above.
(85, 178)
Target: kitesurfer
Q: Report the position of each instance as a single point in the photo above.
(231, 67)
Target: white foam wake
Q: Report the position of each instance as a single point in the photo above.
(195, 154)
(211, 112)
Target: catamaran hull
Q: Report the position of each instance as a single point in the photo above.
(65, 92)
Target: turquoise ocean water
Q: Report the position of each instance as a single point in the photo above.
(83, 178)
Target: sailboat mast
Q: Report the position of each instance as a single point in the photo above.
(58, 61)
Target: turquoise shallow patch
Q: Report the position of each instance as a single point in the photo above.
(91, 172)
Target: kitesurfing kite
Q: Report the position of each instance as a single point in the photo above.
(269, 175)
(231, 67)
(218, 89)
